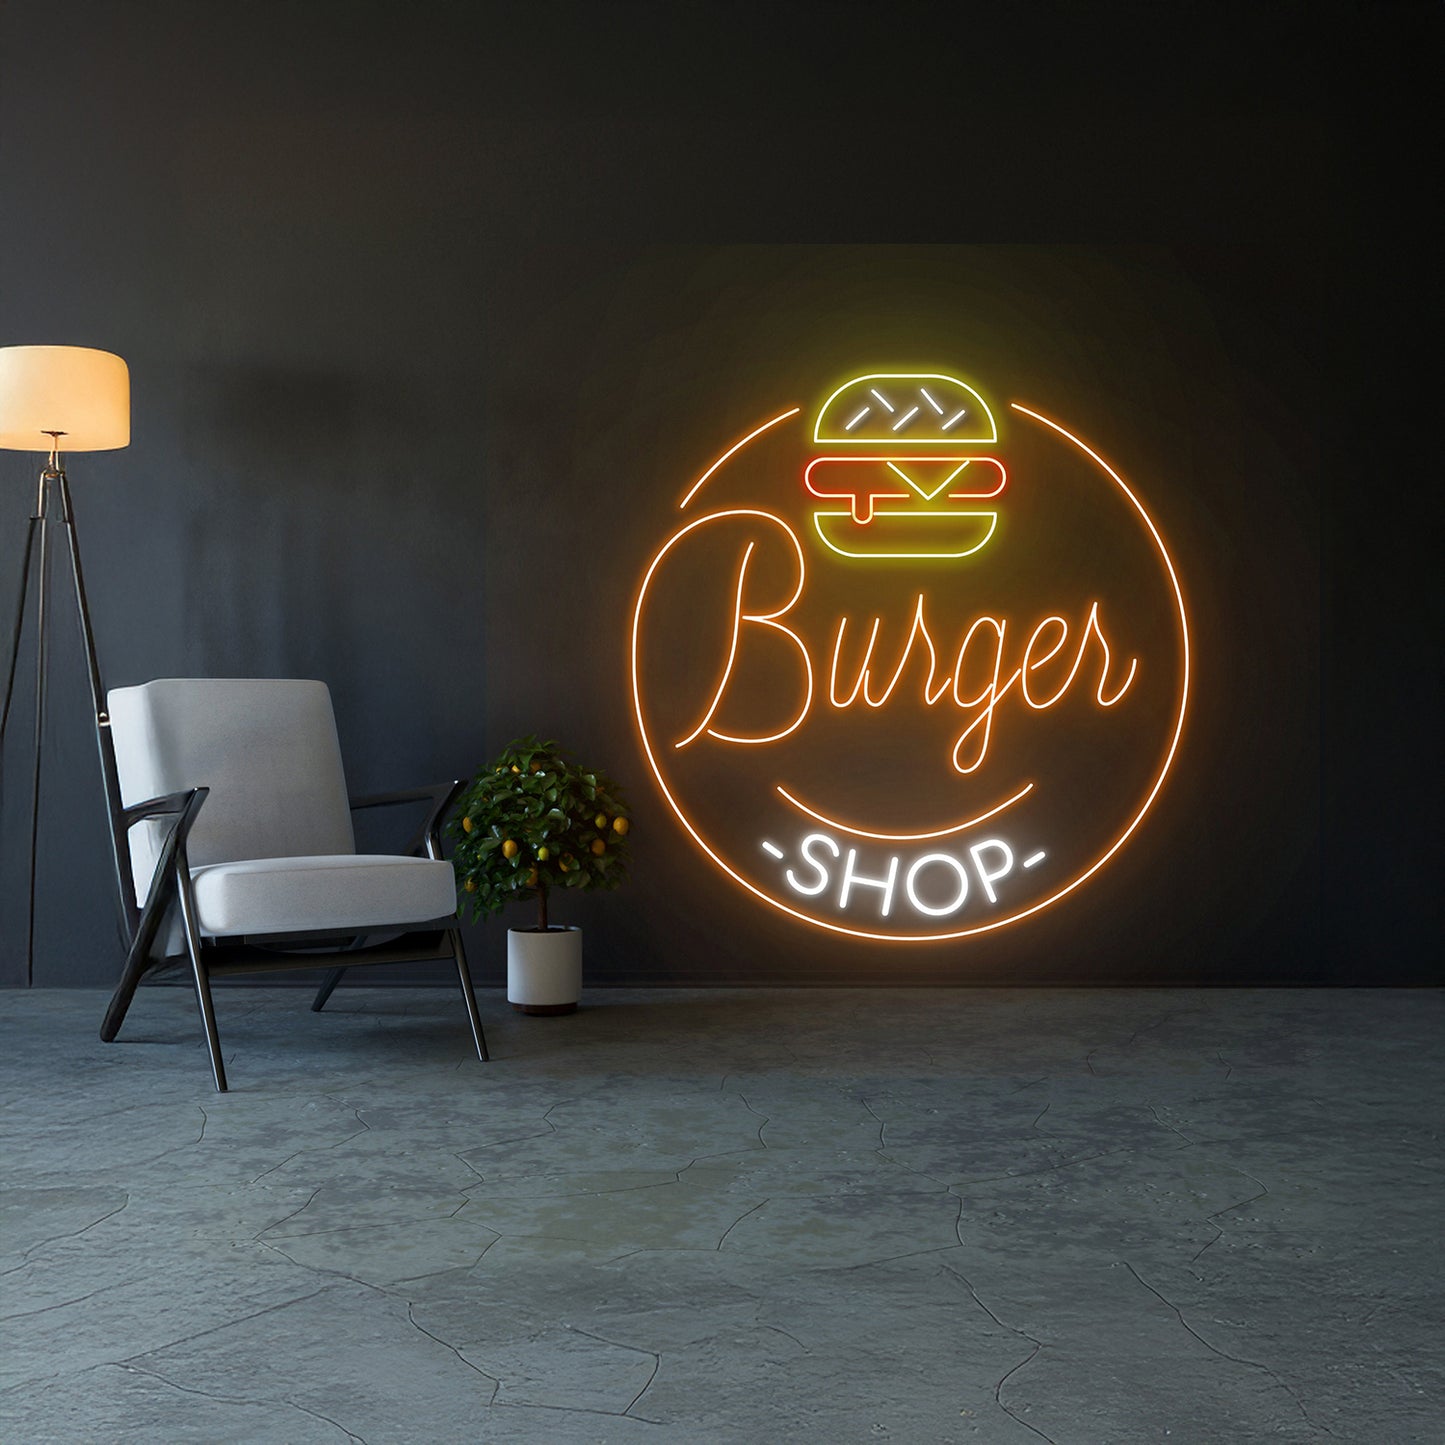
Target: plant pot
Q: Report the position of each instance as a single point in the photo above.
(544, 970)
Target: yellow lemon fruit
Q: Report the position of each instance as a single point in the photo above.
(600, 820)
(532, 879)
(515, 768)
(543, 853)
(620, 825)
(509, 849)
(599, 847)
(466, 825)
(470, 885)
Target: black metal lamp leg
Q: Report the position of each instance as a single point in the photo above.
(119, 836)
(18, 627)
(333, 977)
(52, 502)
(35, 535)
(41, 648)
(464, 973)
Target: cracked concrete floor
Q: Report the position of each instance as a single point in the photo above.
(754, 1216)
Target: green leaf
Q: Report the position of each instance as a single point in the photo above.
(554, 804)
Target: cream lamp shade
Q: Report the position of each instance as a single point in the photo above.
(71, 389)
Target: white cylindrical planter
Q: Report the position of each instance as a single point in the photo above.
(544, 970)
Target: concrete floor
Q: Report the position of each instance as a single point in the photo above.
(834, 1216)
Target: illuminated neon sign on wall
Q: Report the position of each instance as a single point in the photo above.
(905, 501)
(907, 665)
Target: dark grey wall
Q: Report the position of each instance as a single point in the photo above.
(428, 309)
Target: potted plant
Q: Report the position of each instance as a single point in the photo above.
(531, 822)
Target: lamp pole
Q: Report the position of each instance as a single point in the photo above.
(52, 503)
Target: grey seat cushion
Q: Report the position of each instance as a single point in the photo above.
(338, 890)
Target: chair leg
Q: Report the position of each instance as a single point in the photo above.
(208, 1018)
(120, 1000)
(137, 960)
(203, 986)
(333, 977)
(478, 1037)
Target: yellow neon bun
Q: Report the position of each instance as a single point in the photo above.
(916, 408)
(937, 534)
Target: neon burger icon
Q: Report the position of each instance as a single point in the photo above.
(904, 451)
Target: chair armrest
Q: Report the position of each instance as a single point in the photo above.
(171, 863)
(163, 806)
(406, 795)
(428, 833)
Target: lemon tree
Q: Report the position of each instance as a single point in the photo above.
(533, 821)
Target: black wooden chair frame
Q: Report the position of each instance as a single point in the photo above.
(171, 895)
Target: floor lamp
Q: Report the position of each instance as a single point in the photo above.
(54, 399)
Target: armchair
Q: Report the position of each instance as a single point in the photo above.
(235, 827)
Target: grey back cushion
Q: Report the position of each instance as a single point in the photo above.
(266, 748)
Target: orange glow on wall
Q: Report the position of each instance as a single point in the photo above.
(1088, 671)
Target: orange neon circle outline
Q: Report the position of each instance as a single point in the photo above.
(1150, 795)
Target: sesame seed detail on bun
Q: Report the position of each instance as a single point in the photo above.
(923, 408)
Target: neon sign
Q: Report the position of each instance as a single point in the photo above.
(908, 716)
(903, 502)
